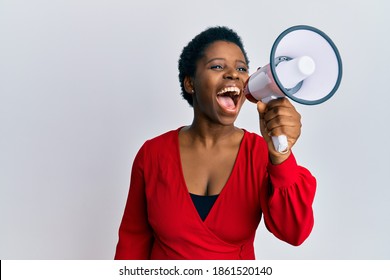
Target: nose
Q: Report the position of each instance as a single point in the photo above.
(231, 74)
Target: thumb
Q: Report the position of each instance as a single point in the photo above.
(261, 107)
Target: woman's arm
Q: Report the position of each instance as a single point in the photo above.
(287, 203)
(135, 234)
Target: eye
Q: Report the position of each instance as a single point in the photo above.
(242, 69)
(216, 67)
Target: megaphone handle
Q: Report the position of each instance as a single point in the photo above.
(280, 141)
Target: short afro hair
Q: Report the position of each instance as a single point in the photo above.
(195, 50)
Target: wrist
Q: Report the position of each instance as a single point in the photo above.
(278, 158)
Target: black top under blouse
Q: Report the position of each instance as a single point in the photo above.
(203, 204)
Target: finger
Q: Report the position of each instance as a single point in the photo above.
(261, 107)
(292, 132)
(280, 111)
(280, 102)
(282, 121)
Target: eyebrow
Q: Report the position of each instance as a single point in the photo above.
(220, 58)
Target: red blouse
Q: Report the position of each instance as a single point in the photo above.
(160, 220)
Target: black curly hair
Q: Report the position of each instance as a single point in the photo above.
(195, 50)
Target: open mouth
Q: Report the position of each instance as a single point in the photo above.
(228, 97)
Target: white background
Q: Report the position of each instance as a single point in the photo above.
(84, 83)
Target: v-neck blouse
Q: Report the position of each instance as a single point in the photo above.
(160, 220)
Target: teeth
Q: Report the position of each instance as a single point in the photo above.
(236, 91)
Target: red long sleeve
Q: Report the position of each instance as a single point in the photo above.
(288, 202)
(135, 233)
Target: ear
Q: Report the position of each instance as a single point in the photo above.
(188, 85)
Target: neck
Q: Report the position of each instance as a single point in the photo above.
(208, 135)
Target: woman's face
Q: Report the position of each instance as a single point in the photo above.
(218, 82)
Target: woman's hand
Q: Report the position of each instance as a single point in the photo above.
(279, 117)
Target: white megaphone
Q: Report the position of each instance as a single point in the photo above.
(305, 66)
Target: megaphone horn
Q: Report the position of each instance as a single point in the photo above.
(304, 65)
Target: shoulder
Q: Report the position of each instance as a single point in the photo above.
(253, 139)
(157, 148)
(162, 143)
(167, 137)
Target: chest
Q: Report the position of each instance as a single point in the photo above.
(206, 171)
